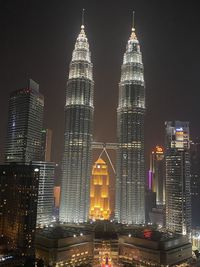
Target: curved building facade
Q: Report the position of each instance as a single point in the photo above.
(130, 182)
(76, 165)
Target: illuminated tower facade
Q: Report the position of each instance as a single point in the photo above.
(25, 119)
(157, 169)
(99, 192)
(195, 180)
(46, 144)
(130, 182)
(178, 198)
(76, 165)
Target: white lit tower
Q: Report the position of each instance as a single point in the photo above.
(178, 196)
(76, 166)
(130, 182)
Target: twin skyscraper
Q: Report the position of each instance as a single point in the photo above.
(78, 138)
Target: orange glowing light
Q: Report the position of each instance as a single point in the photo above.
(179, 133)
(99, 192)
(57, 196)
(158, 150)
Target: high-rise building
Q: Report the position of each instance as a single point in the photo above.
(18, 206)
(76, 164)
(23, 143)
(99, 191)
(195, 180)
(157, 168)
(130, 181)
(45, 201)
(46, 143)
(178, 199)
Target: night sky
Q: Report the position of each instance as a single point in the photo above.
(37, 39)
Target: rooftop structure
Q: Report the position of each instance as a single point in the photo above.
(64, 246)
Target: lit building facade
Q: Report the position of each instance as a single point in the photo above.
(195, 180)
(196, 239)
(45, 201)
(65, 246)
(57, 196)
(18, 206)
(130, 181)
(46, 143)
(157, 173)
(99, 192)
(153, 248)
(76, 164)
(178, 199)
(25, 118)
(56, 207)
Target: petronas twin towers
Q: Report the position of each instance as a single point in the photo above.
(79, 109)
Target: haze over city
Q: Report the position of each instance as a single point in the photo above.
(37, 39)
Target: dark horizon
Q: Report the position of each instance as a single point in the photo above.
(38, 39)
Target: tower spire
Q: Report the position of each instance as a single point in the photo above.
(83, 13)
(133, 35)
(133, 22)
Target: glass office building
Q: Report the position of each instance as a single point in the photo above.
(25, 118)
(45, 192)
(178, 198)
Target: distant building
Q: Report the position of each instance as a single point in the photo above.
(25, 118)
(46, 144)
(45, 192)
(178, 199)
(130, 180)
(157, 216)
(150, 203)
(99, 192)
(157, 168)
(195, 180)
(18, 207)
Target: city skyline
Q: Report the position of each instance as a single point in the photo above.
(124, 79)
(165, 72)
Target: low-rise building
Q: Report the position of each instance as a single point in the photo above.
(64, 246)
(153, 248)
